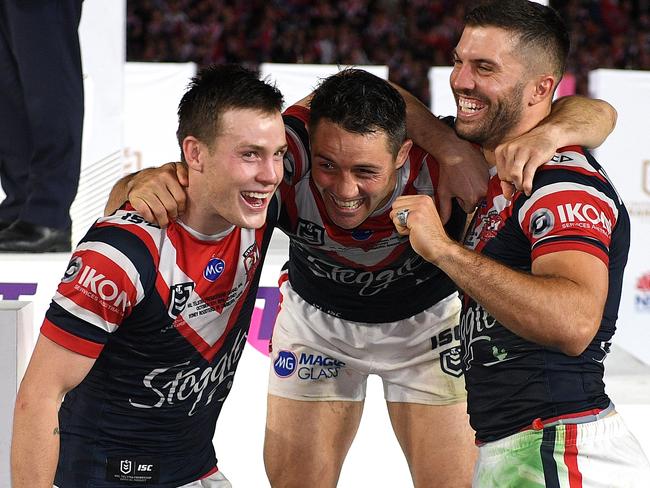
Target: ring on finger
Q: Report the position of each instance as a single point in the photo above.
(402, 216)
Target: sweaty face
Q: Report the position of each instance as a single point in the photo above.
(488, 84)
(243, 167)
(354, 173)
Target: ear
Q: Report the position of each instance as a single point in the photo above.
(403, 153)
(543, 89)
(192, 150)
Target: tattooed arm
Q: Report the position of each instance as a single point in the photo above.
(52, 371)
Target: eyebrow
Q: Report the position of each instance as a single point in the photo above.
(257, 147)
(364, 165)
(454, 54)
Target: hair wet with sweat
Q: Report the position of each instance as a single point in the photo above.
(539, 30)
(216, 89)
(362, 103)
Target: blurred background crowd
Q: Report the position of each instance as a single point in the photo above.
(408, 36)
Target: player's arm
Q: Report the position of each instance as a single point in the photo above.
(573, 120)
(52, 372)
(559, 304)
(158, 194)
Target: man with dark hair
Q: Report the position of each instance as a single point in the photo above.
(356, 299)
(147, 326)
(541, 273)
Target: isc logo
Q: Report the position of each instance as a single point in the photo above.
(445, 337)
(145, 467)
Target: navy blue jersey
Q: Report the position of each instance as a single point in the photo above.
(165, 312)
(511, 381)
(360, 274)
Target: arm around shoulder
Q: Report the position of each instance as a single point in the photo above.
(581, 120)
(573, 121)
(158, 194)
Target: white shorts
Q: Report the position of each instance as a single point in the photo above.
(215, 480)
(599, 454)
(316, 356)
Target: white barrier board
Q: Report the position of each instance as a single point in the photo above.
(626, 158)
(15, 342)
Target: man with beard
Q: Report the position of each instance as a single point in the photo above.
(356, 299)
(541, 274)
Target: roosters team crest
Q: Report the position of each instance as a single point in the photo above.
(251, 260)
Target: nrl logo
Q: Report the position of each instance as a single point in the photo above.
(125, 466)
(450, 362)
(310, 232)
(179, 295)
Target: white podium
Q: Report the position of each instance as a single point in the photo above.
(16, 339)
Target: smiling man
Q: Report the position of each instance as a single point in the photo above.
(541, 274)
(356, 299)
(146, 329)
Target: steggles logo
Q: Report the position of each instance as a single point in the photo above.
(645, 180)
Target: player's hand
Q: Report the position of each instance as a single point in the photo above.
(518, 159)
(463, 177)
(423, 225)
(158, 194)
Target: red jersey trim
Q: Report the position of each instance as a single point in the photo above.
(71, 342)
(209, 473)
(552, 247)
(299, 112)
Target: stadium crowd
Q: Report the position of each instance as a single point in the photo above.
(408, 36)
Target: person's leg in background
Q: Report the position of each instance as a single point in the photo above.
(45, 44)
(15, 140)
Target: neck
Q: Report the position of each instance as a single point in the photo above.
(202, 219)
(528, 122)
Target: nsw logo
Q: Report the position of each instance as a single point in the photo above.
(285, 364)
(214, 269)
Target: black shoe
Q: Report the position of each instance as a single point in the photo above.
(25, 237)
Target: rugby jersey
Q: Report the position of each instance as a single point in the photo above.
(511, 381)
(165, 312)
(361, 274)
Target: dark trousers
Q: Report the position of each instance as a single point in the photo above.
(41, 109)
